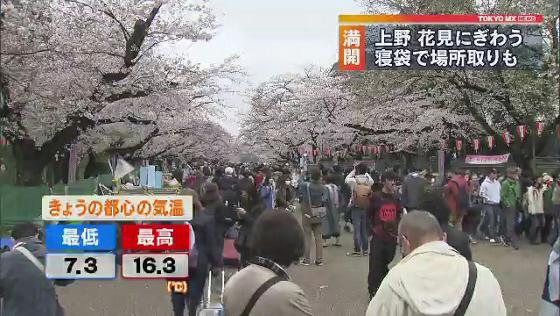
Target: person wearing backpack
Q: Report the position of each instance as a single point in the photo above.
(490, 191)
(457, 195)
(360, 183)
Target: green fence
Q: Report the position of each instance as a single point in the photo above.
(19, 204)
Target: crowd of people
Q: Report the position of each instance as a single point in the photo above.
(465, 208)
(432, 226)
(502, 209)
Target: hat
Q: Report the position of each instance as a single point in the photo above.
(229, 170)
(547, 178)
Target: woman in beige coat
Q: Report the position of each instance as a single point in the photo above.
(264, 287)
(535, 208)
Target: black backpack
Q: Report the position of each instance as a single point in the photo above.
(463, 197)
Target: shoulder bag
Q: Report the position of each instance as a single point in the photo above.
(471, 283)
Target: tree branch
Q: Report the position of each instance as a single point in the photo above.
(26, 53)
(108, 13)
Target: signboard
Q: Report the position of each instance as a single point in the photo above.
(486, 160)
(156, 237)
(117, 208)
(81, 237)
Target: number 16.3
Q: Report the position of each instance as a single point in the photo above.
(148, 265)
(155, 266)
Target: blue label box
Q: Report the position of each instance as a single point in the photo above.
(90, 237)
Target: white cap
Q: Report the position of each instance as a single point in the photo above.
(229, 170)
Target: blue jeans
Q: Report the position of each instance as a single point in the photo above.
(489, 221)
(359, 220)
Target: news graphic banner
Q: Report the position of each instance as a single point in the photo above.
(427, 42)
(117, 208)
(156, 250)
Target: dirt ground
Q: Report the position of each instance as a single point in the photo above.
(336, 289)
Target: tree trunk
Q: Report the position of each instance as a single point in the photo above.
(30, 163)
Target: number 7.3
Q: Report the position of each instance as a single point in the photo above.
(80, 266)
(91, 264)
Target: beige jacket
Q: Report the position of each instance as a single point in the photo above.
(282, 299)
(432, 281)
(535, 204)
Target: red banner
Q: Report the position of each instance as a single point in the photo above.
(490, 141)
(476, 144)
(156, 237)
(522, 132)
(540, 128)
(459, 144)
(507, 138)
(443, 19)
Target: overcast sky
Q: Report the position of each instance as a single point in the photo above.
(272, 37)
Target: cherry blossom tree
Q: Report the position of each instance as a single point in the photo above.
(70, 68)
(496, 101)
(395, 109)
(293, 110)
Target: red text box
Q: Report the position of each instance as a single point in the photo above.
(352, 48)
(162, 237)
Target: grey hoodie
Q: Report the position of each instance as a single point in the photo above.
(24, 288)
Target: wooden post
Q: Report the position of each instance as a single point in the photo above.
(441, 168)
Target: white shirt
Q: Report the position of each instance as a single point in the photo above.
(490, 190)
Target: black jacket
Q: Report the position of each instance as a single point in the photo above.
(243, 241)
(229, 189)
(204, 226)
(25, 289)
(413, 188)
(458, 240)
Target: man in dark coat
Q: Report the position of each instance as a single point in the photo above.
(414, 186)
(24, 288)
(435, 203)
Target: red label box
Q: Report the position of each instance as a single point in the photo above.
(161, 237)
